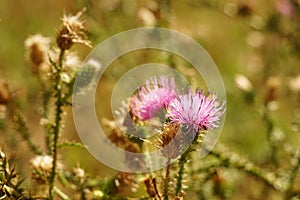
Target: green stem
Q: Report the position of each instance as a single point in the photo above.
(46, 94)
(270, 128)
(59, 104)
(293, 172)
(182, 161)
(165, 13)
(61, 194)
(22, 128)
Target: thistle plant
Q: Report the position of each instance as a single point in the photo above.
(177, 119)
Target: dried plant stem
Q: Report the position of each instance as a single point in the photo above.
(167, 179)
(59, 104)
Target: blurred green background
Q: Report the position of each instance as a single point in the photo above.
(256, 38)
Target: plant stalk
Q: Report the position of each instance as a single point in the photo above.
(59, 104)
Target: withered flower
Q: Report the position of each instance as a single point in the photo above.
(71, 32)
(42, 167)
(169, 143)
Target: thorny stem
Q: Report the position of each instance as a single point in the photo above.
(270, 127)
(46, 97)
(167, 178)
(292, 173)
(22, 128)
(235, 161)
(59, 104)
(182, 161)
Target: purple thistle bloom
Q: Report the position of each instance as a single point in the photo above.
(153, 97)
(196, 110)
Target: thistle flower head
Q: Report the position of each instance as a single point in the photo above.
(72, 31)
(196, 110)
(153, 97)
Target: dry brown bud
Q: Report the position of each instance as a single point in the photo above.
(170, 142)
(71, 32)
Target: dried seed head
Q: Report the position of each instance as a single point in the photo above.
(71, 32)
(5, 95)
(42, 166)
(37, 47)
(42, 162)
(169, 143)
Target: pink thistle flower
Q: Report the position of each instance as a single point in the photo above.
(196, 110)
(153, 97)
(285, 8)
